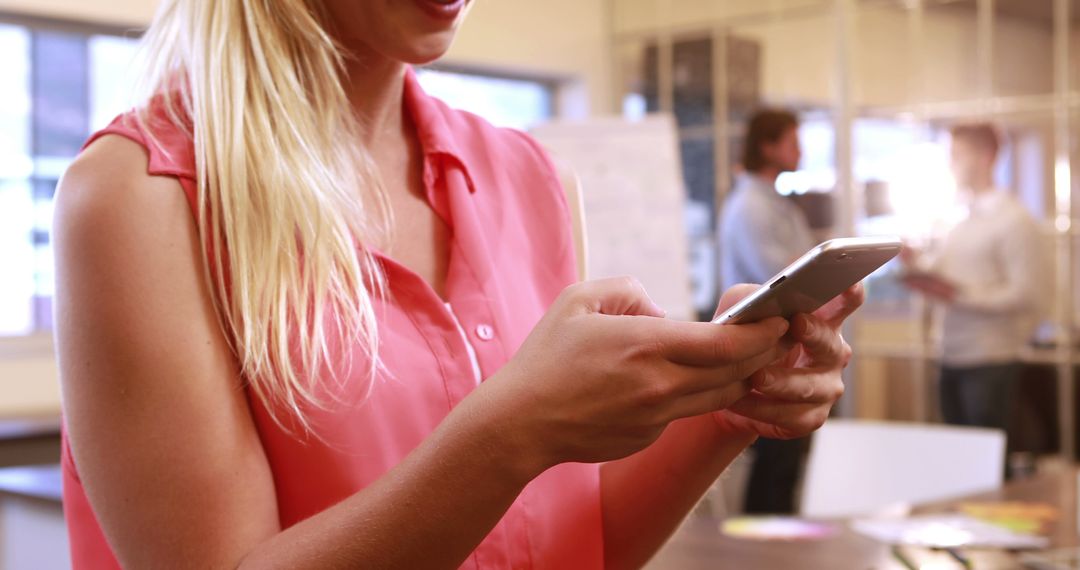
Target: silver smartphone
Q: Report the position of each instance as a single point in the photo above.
(814, 279)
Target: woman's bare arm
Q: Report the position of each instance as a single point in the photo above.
(646, 496)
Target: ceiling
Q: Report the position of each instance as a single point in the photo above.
(1040, 12)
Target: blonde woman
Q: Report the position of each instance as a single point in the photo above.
(310, 317)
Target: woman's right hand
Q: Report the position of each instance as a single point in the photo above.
(603, 373)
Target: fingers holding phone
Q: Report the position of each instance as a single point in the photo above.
(793, 398)
(836, 311)
(590, 384)
(733, 295)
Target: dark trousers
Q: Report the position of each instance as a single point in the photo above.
(773, 476)
(978, 395)
(981, 396)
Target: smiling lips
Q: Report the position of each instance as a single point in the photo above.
(442, 9)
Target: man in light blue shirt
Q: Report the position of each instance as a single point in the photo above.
(761, 232)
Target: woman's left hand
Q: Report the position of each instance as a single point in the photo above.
(792, 397)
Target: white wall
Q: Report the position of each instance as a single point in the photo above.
(28, 377)
(566, 39)
(123, 12)
(648, 15)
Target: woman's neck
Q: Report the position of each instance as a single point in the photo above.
(374, 85)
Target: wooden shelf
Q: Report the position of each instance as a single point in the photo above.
(866, 349)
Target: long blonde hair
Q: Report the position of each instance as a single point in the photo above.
(258, 86)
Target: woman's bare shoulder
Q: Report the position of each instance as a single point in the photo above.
(108, 183)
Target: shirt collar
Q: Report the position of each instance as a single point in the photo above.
(430, 118)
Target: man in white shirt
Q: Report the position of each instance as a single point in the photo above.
(762, 232)
(988, 275)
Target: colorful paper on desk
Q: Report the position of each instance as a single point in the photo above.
(1018, 516)
(946, 531)
(776, 528)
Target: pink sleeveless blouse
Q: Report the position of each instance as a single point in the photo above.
(512, 253)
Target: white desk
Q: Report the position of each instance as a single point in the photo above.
(32, 530)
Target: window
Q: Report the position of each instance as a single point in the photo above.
(817, 171)
(505, 102)
(59, 87)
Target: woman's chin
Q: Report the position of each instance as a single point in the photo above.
(425, 51)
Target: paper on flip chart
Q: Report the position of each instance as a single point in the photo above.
(635, 201)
